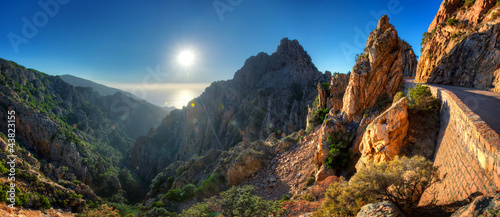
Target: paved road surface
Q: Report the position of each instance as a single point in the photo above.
(486, 104)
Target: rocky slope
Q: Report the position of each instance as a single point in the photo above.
(270, 93)
(80, 134)
(461, 46)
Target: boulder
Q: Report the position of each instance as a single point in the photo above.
(384, 137)
(382, 209)
(481, 206)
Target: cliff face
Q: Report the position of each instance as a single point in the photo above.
(268, 94)
(73, 128)
(379, 70)
(462, 47)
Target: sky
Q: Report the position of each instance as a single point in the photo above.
(134, 45)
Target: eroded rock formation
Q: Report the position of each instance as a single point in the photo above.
(383, 138)
(378, 71)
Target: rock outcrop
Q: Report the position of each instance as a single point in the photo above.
(382, 209)
(331, 92)
(270, 93)
(378, 71)
(383, 138)
(481, 206)
(409, 60)
(461, 46)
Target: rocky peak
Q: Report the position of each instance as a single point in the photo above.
(378, 71)
(290, 51)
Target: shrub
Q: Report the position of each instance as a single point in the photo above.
(469, 3)
(402, 181)
(318, 116)
(3, 169)
(237, 201)
(308, 197)
(339, 153)
(102, 211)
(44, 202)
(398, 96)
(199, 209)
(210, 185)
(179, 170)
(451, 22)
(421, 99)
(158, 204)
(155, 211)
(240, 201)
(310, 180)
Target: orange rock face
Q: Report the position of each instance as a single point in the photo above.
(378, 70)
(383, 138)
(461, 47)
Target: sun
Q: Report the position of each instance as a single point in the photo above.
(186, 58)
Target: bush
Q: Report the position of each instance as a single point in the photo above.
(469, 3)
(421, 99)
(102, 211)
(3, 169)
(398, 96)
(451, 22)
(339, 153)
(310, 180)
(308, 197)
(44, 202)
(318, 116)
(200, 209)
(179, 170)
(237, 201)
(402, 181)
(155, 212)
(210, 185)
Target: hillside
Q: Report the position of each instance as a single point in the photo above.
(78, 134)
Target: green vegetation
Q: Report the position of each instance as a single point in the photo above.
(104, 211)
(469, 3)
(360, 56)
(371, 185)
(398, 96)
(339, 152)
(237, 201)
(186, 192)
(451, 22)
(421, 99)
(310, 180)
(308, 197)
(3, 169)
(179, 170)
(209, 186)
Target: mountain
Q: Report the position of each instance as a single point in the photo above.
(99, 88)
(461, 47)
(270, 93)
(77, 133)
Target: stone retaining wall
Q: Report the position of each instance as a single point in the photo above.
(467, 152)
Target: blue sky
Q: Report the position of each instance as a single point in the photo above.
(115, 42)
